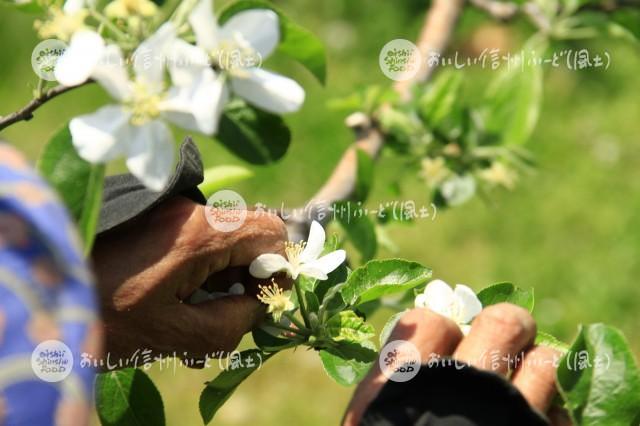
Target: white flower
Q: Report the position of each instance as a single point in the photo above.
(460, 305)
(302, 258)
(244, 37)
(136, 127)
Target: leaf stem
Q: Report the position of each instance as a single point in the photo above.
(303, 308)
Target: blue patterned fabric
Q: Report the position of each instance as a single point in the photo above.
(46, 293)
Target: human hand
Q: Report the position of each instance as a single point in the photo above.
(505, 330)
(149, 267)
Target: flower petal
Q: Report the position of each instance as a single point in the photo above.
(150, 155)
(268, 264)
(149, 57)
(186, 62)
(328, 262)
(439, 297)
(259, 27)
(204, 25)
(421, 301)
(315, 243)
(197, 107)
(100, 137)
(269, 91)
(311, 270)
(72, 6)
(468, 303)
(111, 73)
(81, 57)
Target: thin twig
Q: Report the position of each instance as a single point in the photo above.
(26, 113)
(434, 37)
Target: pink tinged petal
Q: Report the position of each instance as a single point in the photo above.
(197, 107)
(111, 73)
(186, 62)
(311, 270)
(204, 25)
(99, 137)
(315, 243)
(150, 155)
(259, 27)
(268, 91)
(468, 304)
(149, 58)
(439, 297)
(268, 264)
(329, 262)
(80, 59)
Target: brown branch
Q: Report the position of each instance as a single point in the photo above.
(340, 186)
(26, 113)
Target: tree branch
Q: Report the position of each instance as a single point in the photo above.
(26, 113)
(434, 37)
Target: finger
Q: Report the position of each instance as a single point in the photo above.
(215, 328)
(498, 335)
(535, 377)
(206, 250)
(432, 334)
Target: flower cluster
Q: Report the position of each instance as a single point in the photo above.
(165, 80)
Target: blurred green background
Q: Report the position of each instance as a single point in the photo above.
(571, 230)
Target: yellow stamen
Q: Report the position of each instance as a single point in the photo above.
(123, 9)
(276, 299)
(293, 252)
(144, 105)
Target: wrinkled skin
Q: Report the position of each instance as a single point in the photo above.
(503, 329)
(147, 268)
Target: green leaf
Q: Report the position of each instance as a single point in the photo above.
(346, 325)
(313, 304)
(220, 389)
(389, 326)
(599, 379)
(220, 177)
(268, 342)
(256, 136)
(514, 99)
(337, 276)
(381, 277)
(78, 182)
(348, 362)
(332, 302)
(295, 41)
(546, 339)
(364, 175)
(507, 293)
(440, 98)
(361, 232)
(594, 24)
(128, 397)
